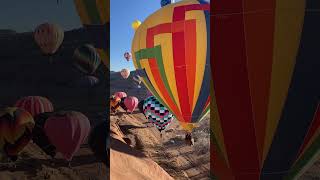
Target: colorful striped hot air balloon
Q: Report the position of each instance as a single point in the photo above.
(86, 59)
(35, 105)
(95, 17)
(15, 131)
(171, 53)
(266, 74)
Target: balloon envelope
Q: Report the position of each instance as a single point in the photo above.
(48, 37)
(136, 24)
(120, 94)
(125, 73)
(35, 105)
(266, 117)
(156, 113)
(131, 103)
(67, 130)
(174, 58)
(95, 17)
(86, 59)
(166, 2)
(14, 123)
(127, 56)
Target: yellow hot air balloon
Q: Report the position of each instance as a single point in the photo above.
(136, 24)
(171, 51)
(95, 17)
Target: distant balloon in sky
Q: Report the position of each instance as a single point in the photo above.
(125, 73)
(127, 56)
(136, 24)
(166, 2)
(48, 37)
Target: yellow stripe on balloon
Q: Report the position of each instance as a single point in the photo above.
(82, 11)
(165, 40)
(201, 50)
(288, 27)
(104, 10)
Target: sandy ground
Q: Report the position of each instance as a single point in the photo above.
(170, 152)
(33, 164)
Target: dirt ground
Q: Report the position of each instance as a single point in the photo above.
(170, 152)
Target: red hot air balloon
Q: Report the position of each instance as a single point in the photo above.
(120, 94)
(67, 130)
(131, 103)
(35, 105)
(48, 37)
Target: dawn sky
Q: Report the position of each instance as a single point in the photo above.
(25, 15)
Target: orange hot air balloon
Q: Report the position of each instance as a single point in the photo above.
(265, 74)
(171, 52)
(125, 73)
(48, 37)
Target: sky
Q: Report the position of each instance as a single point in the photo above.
(122, 14)
(25, 15)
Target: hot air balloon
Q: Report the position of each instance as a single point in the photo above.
(131, 103)
(95, 17)
(67, 130)
(166, 2)
(156, 113)
(265, 108)
(35, 105)
(86, 59)
(125, 73)
(127, 56)
(114, 103)
(15, 131)
(171, 52)
(120, 94)
(86, 81)
(137, 80)
(48, 37)
(136, 24)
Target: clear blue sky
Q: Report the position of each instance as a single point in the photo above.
(122, 14)
(25, 15)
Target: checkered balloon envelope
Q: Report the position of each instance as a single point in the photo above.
(156, 113)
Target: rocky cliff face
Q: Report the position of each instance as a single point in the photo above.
(25, 71)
